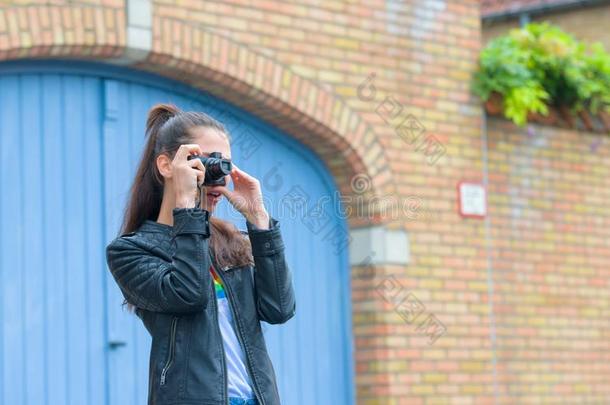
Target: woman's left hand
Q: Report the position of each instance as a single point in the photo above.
(247, 197)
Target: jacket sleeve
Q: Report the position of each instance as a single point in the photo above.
(275, 299)
(154, 284)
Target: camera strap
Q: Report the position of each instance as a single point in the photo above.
(198, 203)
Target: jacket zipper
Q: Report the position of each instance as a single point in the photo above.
(172, 344)
(222, 345)
(240, 338)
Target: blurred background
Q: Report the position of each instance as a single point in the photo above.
(440, 170)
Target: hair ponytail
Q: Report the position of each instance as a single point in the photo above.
(159, 115)
(147, 188)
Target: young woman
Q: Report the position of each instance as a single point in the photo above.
(200, 286)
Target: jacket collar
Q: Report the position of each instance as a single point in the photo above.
(167, 230)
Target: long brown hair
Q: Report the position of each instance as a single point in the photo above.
(167, 127)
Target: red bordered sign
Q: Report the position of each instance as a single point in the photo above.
(472, 199)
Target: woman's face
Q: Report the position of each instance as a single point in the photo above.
(211, 140)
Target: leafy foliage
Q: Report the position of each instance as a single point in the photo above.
(538, 66)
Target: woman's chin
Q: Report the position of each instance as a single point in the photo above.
(212, 202)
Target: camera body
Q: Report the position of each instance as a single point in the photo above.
(216, 168)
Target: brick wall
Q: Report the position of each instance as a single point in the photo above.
(548, 205)
(548, 194)
(380, 90)
(586, 23)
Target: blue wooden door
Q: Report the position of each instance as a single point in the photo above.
(52, 305)
(98, 352)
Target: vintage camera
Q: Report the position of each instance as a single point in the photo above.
(216, 168)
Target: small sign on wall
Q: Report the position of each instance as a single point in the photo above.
(472, 199)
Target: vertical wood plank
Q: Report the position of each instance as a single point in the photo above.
(55, 241)
(11, 258)
(94, 242)
(34, 233)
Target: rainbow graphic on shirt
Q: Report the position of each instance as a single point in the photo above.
(218, 287)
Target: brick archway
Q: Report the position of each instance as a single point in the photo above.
(206, 60)
(122, 33)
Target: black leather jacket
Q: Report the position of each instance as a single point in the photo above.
(164, 271)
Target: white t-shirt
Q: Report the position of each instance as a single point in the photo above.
(239, 383)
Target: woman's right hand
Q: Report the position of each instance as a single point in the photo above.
(187, 174)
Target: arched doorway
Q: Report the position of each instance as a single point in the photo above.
(70, 137)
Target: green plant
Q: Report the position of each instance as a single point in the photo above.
(539, 66)
(596, 89)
